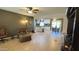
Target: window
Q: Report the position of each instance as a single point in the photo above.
(56, 25)
(41, 23)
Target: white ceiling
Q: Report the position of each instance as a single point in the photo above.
(42, 10)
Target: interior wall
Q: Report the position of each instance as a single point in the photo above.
(12, 21)
(52, 16)
(30, 25)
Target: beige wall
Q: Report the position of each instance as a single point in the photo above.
(12, 21)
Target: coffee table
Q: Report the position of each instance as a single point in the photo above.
(25, 37)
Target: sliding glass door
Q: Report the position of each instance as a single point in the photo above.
(57, 25)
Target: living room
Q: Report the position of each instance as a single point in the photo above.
(32, 31)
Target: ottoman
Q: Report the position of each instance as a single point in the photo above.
(24, 38)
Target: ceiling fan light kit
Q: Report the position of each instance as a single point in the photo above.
(32, 10)
(35, 11)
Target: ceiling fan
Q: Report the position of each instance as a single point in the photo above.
(32, 10)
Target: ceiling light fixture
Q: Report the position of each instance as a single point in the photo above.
(35, 11)
(31, 10)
